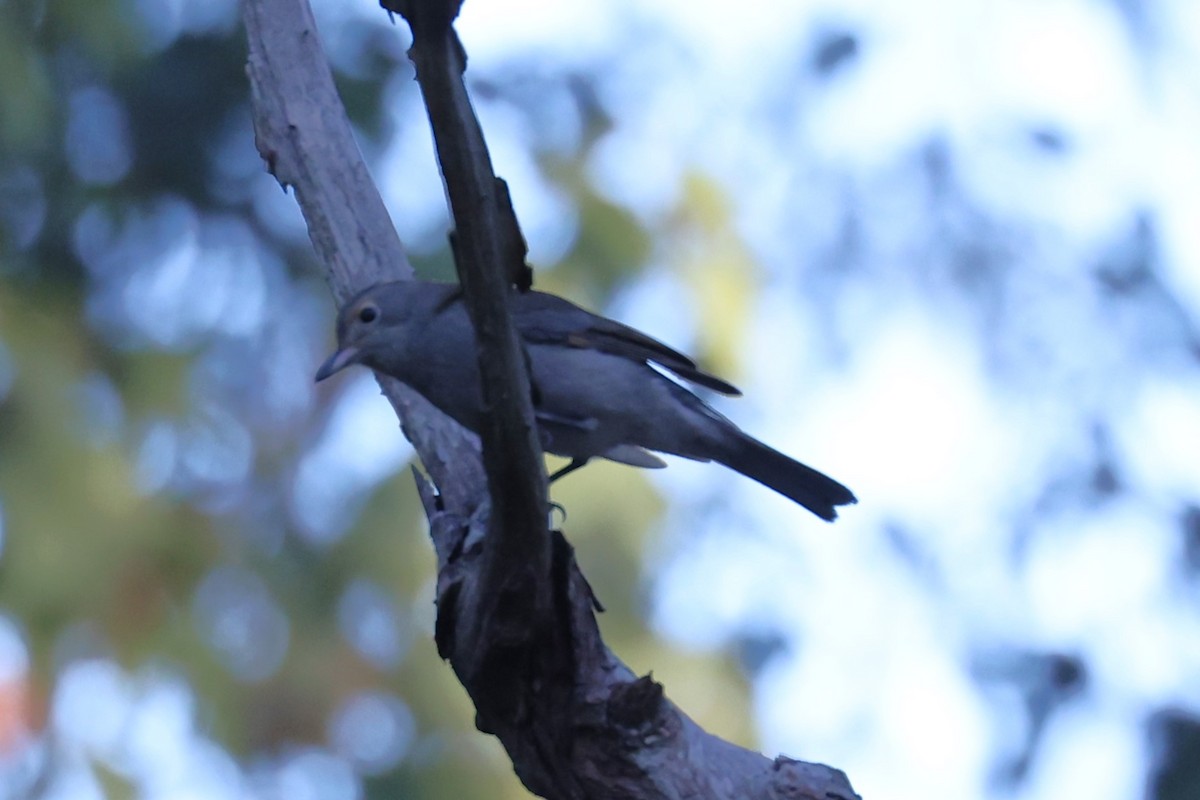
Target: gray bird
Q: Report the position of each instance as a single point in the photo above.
(595, 393)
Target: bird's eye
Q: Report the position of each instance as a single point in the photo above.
(368, 314)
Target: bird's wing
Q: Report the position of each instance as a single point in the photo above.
(585, 424)
(634, 456)
(546, 319)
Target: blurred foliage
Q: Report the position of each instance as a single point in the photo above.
(1177, 738)
(159, 319)
(214, 576)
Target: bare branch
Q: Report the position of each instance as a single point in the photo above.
(576, 722)
(303, 135)
(490, 255)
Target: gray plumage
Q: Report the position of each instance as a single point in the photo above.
(595, 394)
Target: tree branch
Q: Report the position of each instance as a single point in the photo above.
(490, 255)
(303, 135)
(576, 722)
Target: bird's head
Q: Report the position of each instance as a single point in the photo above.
(367, 326)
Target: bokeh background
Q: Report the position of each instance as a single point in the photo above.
(950, 249)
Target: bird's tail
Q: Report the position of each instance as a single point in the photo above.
(814, 490)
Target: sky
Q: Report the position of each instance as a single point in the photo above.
(960, 417)
(1068, 126)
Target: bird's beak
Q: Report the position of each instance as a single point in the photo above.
(341, 359)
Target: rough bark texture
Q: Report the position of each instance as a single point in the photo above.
(516, 617)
